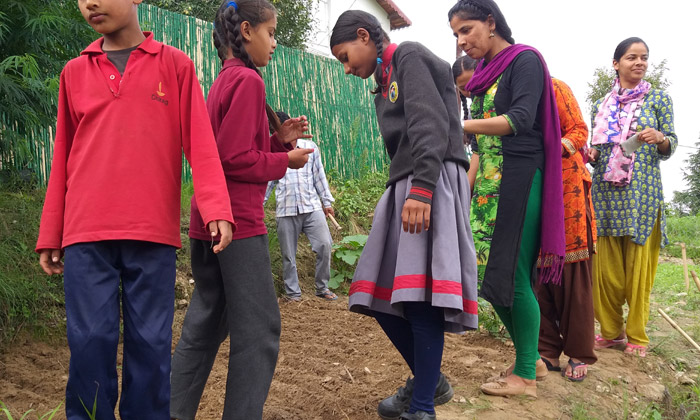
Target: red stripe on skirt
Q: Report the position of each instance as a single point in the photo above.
(369, 287)
(414, 281)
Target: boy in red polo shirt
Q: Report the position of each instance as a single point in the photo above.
(128, 107)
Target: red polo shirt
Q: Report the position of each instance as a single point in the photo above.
(118, 147)
(249, 156)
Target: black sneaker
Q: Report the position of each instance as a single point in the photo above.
(418, 415)
(392, 407)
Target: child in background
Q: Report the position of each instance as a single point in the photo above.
(128, 107)
(234, 293)
(462, 71)
(417, 273)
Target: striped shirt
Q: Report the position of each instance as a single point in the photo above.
(303, 190)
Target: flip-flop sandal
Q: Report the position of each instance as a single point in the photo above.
(574, 365)
(602, 343)
(550, 366)
(636, 349)
(328, 295)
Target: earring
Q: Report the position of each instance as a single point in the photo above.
(492, 35)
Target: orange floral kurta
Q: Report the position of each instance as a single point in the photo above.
(576, 177)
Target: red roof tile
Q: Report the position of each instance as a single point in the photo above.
(397, 18)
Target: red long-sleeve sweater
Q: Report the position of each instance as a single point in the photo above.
(118, 150)
(249, 156)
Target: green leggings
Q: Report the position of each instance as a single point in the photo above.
(523, 319)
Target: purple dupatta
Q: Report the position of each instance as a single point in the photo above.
(553, 243)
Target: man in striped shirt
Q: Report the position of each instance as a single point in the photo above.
(303, 202)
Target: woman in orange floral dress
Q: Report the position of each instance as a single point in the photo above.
(566, 309)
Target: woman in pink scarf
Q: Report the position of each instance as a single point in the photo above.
(628, 197)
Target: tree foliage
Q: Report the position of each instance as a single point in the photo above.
(201, 9)
(37, 38)
(688, 202)
(295, 21)
(603, 78)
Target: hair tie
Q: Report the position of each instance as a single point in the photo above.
(379, 60)
(234, 4)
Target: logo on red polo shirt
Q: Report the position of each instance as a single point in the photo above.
(158, 96)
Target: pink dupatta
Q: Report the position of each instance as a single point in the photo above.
(615, 122)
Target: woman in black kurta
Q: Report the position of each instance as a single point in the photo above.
(507, 199)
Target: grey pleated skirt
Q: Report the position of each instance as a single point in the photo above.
(437, 266)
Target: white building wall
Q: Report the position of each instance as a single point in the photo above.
(328, 12)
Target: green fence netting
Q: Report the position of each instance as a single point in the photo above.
(339, 107)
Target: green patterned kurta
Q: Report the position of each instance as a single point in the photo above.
(487, 186)
(632, 210)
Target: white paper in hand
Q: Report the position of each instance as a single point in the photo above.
(630, 145)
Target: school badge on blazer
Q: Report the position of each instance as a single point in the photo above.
(393, 92)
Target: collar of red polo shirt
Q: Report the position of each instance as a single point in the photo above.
(149, 45)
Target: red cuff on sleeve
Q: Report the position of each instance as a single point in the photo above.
(422, 192)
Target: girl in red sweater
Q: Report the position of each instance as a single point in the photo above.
(234, 293)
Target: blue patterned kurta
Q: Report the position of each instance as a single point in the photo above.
(632, 210)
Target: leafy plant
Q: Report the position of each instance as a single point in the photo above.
(92, 414)
(29, 299)
(345, 256)
(37, 38)
(489, 321)
(356, 198)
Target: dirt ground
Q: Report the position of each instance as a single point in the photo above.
(334, 364)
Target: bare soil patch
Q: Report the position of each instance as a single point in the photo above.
(335, 364)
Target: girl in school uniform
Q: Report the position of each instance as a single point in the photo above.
(417, 274)
(234, 293)
(462, 70)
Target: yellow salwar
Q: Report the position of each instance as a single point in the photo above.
(625, 271)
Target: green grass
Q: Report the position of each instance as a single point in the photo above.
(670, 282)
(580, 411)
(669, 294)
(29, 299)
(183, 254)
(684, 404)
(46, 416)
(683, 229)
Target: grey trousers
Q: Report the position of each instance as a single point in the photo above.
(234, 295)
(315, 227)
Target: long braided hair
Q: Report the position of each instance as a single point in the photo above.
(227, 34)
(463, 63)
(345, 30)
(480, 10)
